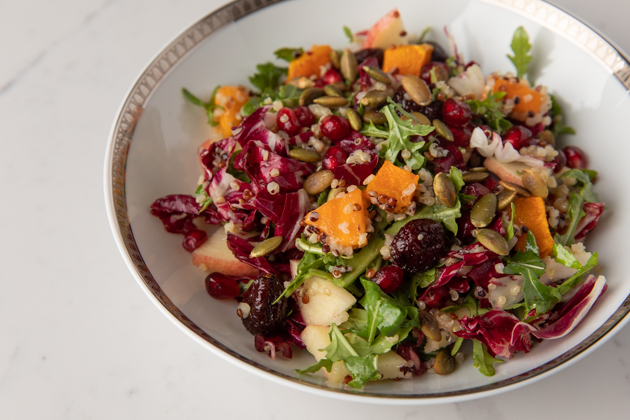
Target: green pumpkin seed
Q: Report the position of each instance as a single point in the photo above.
(374, 98)
(266, 247)
(318, 181)
(334, 192)
(548, 137)
(534, 183)
(340, 84)
(422, 118)
(377, 74)
(331, 90)
(475, 176)
(375, 117)
(309, 95)
(484, 210)
(331, 101)
(335, 59)
(505, 198)
(443, 130)
(429, 326)
(441, 75)
(355, 119)
(302, 82)
(516, 188)
(348, 66)
(493, 240)
(304, 155)
(478, 169)
(444, 362)
(417, 89)
(444, 189)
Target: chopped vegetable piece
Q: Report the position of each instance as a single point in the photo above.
(309, 64)
(527, 101)
(407, 59)
(394, 182)
(530, 212)
(231, 99)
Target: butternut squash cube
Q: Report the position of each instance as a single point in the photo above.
(309, 64)
(408, 59)
(530, 212)
(530, 101)
(396, 183)
(232, 99)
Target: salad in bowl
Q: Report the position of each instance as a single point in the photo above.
(392, 208)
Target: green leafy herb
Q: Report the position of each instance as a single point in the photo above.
(482, 359)
(558, 127)
(509, 231)
(362, 369)
(423, 35)
(207, 200)
(457, 346)
(490, 111)
(267, 78)
(209, 106)
(566, 258)
(422, 280)
(577, 200)
(323, 363)
(456, 178)
(288, 54)
(348, 33)
(521, 47)
(440, 213)
(323, 197)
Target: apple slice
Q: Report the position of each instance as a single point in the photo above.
(327, 303)
(214, 255)
(507, 171)
(315, 338)
(388, 31)
(389, 365)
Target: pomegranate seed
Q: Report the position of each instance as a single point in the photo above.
(559, 162)
(517, 136)
(461, 134)
(456, 112)
(538, 128)
(332, 76)
(335, 156)
(194, 239)
(476, 190)
(576, 158)
(388, 278)
(304, 116)
(465, 227)
(288, 122)
(425, 73)
(334, 127)
(220, 286)
(491, 182)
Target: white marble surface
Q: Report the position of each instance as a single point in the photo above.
(78, 338)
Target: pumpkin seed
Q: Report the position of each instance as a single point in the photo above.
(417, 89)
(340, 84)
(444, 189)
(355, 119)
(331, 90)
(331, 101)
(444, 362)
(348, 66)
(310, 94)
(478, 169)
(548, 137)
(377, 74)
(441, 75)
(429, 326)
(422, 118)
(318, 181)
(266, 247)
(443, 130)
(475, 176)
(374, 98)
(333, 193)
(505, 198)
(375, 117)
(493, 240)
(516, 188)
(304, 155)
(484, 210)
(335, 59)
(534, 183)
(302, 82)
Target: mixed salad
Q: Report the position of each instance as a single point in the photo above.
(390, 208)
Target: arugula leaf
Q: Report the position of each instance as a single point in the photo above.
(456, 178)
(490, 110)
(423, 280)
(521, 47)
(267, 78)
(210, 106)
(531, 267)
(362, 369)
(509, 231)
(288, 94)
(577, 200)
(288, 54)
(564, 257)
(558, 119)
(482, 359)
(348, 33)
(457, 345)
(207, 201)
(323, 363)
(309, 262)
(339, 347)
(357, 320)
(423, 35)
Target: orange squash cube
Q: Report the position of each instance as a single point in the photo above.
(394, 182)
(530, 212)
(407, 59)
(309, 64)
(231, 99)
(529, 100)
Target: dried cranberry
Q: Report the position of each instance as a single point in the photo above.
(439, 53)
(388, 278)
(331, 76)
(419, 245)
(335, 156)
(366, 53)
(304, 116)
(194, 239)
(538, 128)
(476, 190)
(425, 73)
(462, 134)
(334, 127)
(518, 136)
(491, 182)
(220, 286)
(576, 158)
(265, 317)
(560, 161)
(288, 122)
(456, 112)
(431, 111)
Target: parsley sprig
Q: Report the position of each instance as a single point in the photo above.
(521, 47)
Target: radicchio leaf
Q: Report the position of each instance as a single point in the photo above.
(272, 345)
(241, 250)
(253, 128)
(589, 221)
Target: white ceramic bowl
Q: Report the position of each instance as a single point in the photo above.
(152, 153)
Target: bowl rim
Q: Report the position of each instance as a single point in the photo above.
(539, 11)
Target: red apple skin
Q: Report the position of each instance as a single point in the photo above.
(214, 256)
(379, 37)
(508, 172)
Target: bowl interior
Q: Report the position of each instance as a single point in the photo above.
(162, 158)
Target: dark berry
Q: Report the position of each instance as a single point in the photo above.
(465, 227)
(388, 278)
(334, 127)
(456, 112)
(425, 73)
(560, 161)
(537, 129)
(335, 156)
(476, 190)
(366, 53)
(518, 136)
(288, 122)
(439, 53)
(419, 245)
(332, 76)
(194, 239)
(431, 111)
(220, 286)
(265, 317)
(491, 182)
(304, 116)
(576, 158)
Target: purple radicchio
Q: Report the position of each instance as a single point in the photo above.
(253, 127)
(589, 221)
(272, 345)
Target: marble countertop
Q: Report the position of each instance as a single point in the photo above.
(78, 337)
